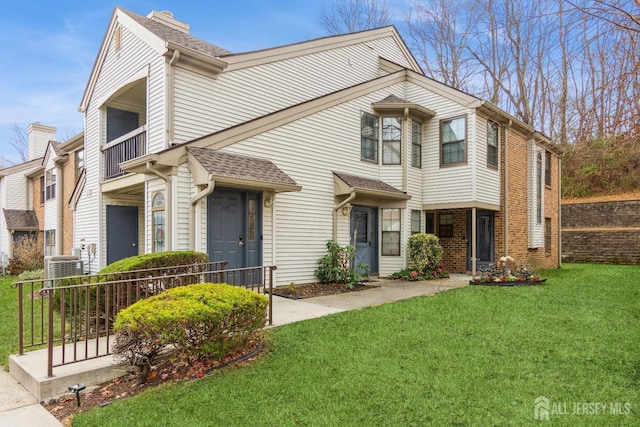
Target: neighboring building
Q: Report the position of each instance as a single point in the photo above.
(261, 157)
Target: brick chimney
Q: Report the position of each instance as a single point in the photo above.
(39, 136)
(165, 17)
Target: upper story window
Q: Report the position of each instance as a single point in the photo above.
(391, 140)
(492, 144)
(50, 184)
(79, 155)
(369, 137)
(547, 167)
(453, 134)
(539, 189)
(416, 144)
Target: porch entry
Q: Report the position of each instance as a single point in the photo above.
(234, 228)
(364, 236)
(484, 238)
(122, 232)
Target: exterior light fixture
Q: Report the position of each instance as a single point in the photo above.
(76, 389)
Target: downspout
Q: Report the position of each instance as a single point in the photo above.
(506, 190)
(169, 100)
(59, 211)
(192, 212)
(169, 202)
(559, 212)
(335, 213)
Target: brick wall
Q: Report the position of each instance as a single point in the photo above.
(601, 232)
(454, 249)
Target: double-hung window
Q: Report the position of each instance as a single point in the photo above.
(492, 144)
(453, 141)
(415, 221)
(416, 144)
(445, 225)
(391, 140)
(369, 137)
(49, 242)
(391, 232)
(50, 178)
(547, 168)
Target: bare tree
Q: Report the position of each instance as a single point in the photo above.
(347, 16)
(20, 143)
(619, 13)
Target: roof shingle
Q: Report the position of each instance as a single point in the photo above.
(366, 183)
(20, 219)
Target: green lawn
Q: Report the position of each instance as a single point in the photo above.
(472, 356)
(8, 320)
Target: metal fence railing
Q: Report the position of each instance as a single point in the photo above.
(74, 319)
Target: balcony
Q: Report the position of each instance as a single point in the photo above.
(126, 147)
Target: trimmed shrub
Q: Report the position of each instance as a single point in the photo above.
(336, 265)
(155, 260)
(425, 252)
(203, 320)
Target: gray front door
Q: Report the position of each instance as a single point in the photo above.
(484, 239)
(364, 236)
(234, 228)
(122, 232)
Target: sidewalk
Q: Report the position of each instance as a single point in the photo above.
(19, 408)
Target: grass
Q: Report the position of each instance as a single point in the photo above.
(472, 356)
(8, 320)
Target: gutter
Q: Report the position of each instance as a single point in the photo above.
(169, 202)
(192, 211)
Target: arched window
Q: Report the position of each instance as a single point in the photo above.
(157, 210)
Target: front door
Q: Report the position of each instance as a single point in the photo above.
(122, 232)
(234, 228)
(364, 236)
(484, 239)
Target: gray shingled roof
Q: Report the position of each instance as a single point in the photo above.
(392, 99)
(242, 167)
(172, 35)
(366, 183)
(20, 219)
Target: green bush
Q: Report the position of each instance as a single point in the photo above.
(32, 275)
(425, 253)
(203, 320)
(155, 260)
(336, 265)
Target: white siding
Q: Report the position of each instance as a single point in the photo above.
(487, 178)
(116, 69)
(182, 208)
(4, 233)
(204, 105)
(536, 229)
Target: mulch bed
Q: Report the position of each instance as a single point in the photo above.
(311, 290)
(165, 371)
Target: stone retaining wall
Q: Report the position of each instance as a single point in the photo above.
(601, 232)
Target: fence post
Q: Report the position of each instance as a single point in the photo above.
(20, 318)
(273, 267)
(50, 337)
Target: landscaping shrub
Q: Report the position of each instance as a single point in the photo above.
(425, 252)
(27, 255)
(203, 320)
(337, 265)
(32, 275)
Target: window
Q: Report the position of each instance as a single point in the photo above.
(369, 137)
(391, 140)
(50, 242)
(42, 189)
(430, 223)
(539, 189)
(452, 141)
(416, 144)
(415, 221)
(492, 144)
(157, 210)
(50, 190)
(79, 162)
(547, 235)
(391, 232)
(547, 167)
(445, 225)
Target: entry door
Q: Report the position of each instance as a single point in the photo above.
(234, 228)
(484, 239)
(122, 232)
(364, 236)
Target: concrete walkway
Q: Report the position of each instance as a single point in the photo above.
(18, 407)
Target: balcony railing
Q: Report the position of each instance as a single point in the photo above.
(126, 147)
(77, 319)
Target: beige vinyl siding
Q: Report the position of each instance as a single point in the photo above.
(487, 178)
(204, 105)
(183, 192)
(304, 220)
(387, 48)
(116, 69)
(50, 206)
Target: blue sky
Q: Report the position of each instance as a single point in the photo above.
(49, 48)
